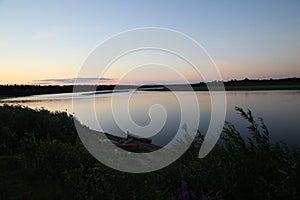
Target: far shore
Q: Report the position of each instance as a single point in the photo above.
(9, 91)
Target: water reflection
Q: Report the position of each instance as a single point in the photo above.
(279, 109)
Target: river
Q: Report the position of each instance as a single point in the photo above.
(279, 109)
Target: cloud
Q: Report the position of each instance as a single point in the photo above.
(50, 33)
(71, 81)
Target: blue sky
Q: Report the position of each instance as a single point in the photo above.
(51, 39)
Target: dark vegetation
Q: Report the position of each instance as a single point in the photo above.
(41, 157)
(246, 84)
(256, 84)
(27, 90)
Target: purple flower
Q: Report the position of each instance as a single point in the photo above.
(203, 197)
(184, 185)
(185, 195)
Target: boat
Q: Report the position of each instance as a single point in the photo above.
(138, 138)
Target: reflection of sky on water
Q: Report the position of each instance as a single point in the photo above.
(279, 109)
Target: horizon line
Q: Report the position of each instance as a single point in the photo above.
(139, 83)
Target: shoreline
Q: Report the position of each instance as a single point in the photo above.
(10, 91)
(228, 89)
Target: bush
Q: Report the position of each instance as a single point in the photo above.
(43, 158)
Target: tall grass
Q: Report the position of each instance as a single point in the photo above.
(41, 157)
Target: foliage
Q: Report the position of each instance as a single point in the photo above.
(42, 157)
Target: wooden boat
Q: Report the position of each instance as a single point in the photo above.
(138, 138)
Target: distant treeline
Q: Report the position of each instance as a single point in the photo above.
(26, 90)
(246, 84)
(256, 84)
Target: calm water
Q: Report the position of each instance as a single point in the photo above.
(279, 109)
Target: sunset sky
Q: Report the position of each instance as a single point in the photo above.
(49, 40)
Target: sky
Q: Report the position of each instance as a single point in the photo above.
(44, 41)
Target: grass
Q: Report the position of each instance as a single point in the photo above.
(41, 157)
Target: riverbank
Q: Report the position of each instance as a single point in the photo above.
(8, 91)
(42, 157)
